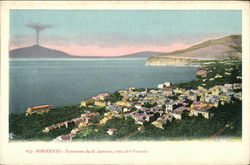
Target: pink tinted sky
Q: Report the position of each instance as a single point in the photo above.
(92, 50)
(117, 51)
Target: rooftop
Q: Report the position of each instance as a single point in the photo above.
(42, 106)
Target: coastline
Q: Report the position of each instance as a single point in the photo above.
(174, 87)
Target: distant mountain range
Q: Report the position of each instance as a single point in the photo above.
(37, 51)
(144, 54)
(221, 48)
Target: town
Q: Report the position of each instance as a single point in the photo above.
(146, 105)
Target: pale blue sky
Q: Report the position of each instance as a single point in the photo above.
(132, 22)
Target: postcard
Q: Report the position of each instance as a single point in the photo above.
(135, 82)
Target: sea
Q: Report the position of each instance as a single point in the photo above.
(63, 82)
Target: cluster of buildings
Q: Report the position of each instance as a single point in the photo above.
(162, 105)
(157, 106)
(79, 122)
(98, 100)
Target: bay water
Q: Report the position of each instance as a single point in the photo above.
(63, 82)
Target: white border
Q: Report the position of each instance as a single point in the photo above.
(182, 152)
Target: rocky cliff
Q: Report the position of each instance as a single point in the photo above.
(162, 61)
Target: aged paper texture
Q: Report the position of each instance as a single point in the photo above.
(129, 152)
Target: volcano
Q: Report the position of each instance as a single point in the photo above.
(37, 51)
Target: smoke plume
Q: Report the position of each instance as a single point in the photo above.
(38, 27)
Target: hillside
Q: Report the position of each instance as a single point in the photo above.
(37, 51)
(145, 54)
(222, 48)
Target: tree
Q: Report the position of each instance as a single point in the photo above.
(185, 115)
(116, 96)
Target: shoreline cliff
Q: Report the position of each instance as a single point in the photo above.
(170, 61)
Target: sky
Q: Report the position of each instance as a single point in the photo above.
(121, 32)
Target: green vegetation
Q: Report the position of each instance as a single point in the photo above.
(113, 97)
(30, 127)
(221, 67)
(148, 105)
(124, 126)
